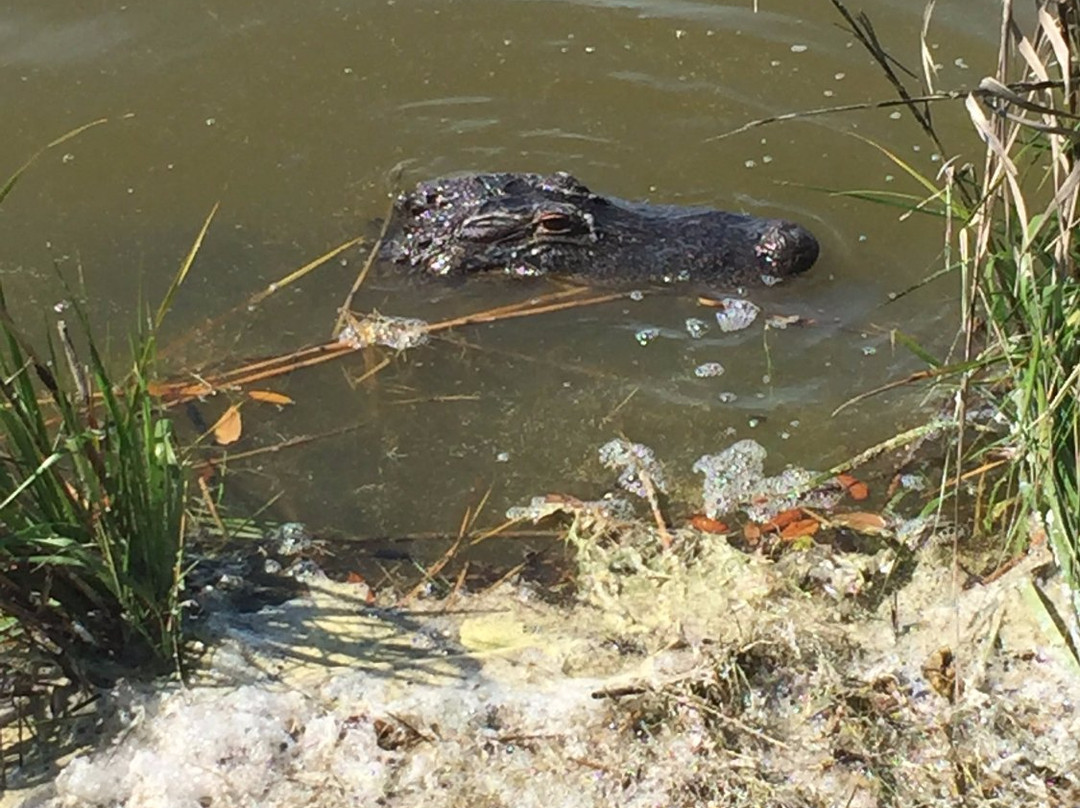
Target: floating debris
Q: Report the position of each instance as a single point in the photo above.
(782, 321)
(709, 370)
(735, 480)
(736, 314)
(290, 538)
(612, 509)
(637, 463)
(646, 335)
(398, 333)
(696, 328)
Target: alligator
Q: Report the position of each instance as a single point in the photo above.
(528, 225)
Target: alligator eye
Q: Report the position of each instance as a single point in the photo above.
(555, 223)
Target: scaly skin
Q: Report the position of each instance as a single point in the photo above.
(528, 225)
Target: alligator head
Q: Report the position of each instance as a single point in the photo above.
(529, 224)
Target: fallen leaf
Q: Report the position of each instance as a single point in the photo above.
(799, 529)
(861, 522)
(940, 672)
(783, 519)
(707, 524)
(496, 632)
(228, 427)
(751, 532)
(270, 397)
(855, 488)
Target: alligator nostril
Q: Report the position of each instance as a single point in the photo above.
(787, 248)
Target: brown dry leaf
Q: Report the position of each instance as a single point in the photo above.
(856, 489)
(940, 671)
(707, 524)
(270, 397)
(228, 427)
(751, 532)
(800, 528)
(861, 522)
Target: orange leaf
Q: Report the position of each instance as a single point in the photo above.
(783, 519)
(707, 524)
(803, 527)
(228, 427)
(855, 488)
(269, 397)
(354, 578)
(751, 532)
(860, 521)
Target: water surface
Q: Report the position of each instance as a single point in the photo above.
(294, 115)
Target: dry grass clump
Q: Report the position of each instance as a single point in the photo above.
(775, 695)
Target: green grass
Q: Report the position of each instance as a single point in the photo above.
(1009, 221)
(92, 500)
(1022, 311)
(92, 512)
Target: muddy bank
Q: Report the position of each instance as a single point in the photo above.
(700, 676)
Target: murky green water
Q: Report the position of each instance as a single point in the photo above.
(292, 115)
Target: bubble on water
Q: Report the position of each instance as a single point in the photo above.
(959, 62)
(869, 350)
(913, 482)
(766, 158)
(646, 335)
(734, 480)
(828, 93)
(636, 463)
(730, 475)
(774, 63)
(736, 314)
(839, 76)
(637, 295)
(709, 370)
(727, 397)
(502, 457)
(896, 115)
(799, 48)
(750, 164)
(696, 328)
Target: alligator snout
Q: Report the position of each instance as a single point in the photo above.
(532, 224)
(786, 248)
